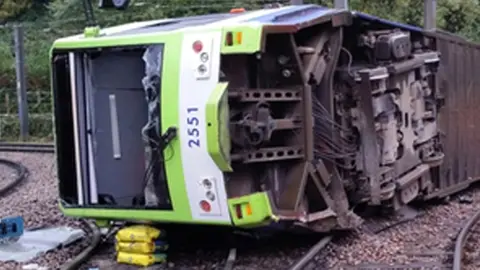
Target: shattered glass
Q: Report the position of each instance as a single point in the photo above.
(151, 131)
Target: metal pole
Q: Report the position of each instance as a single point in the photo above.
(21, 81)
(341, 4)
(429, 14)
(296, 2)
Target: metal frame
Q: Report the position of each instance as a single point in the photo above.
(90, 144)
(73, 85)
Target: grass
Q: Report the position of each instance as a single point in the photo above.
(40, 127)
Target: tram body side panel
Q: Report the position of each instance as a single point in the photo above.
(459, 118)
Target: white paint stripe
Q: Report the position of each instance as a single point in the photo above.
(196, 161)
(73, 85)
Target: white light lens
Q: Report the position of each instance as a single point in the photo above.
(204, 57)
(202, 69)
(207, 184)
(210, 196)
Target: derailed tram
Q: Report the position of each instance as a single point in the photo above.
(289, 115)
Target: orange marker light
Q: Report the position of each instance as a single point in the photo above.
(237, 10)
(238, 38)
(248, 209)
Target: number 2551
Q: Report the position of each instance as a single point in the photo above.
(192, 129)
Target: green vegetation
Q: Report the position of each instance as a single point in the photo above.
(44, 21)
(12, 8)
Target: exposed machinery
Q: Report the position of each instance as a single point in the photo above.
(287, 115)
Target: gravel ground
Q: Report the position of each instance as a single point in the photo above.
(202, 249)
(428, 238)
(471, 256)
(6, 175)
(36, 201)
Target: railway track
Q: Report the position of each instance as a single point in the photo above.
(26, 147)
(95, 237)
(309, 256)
(466, 246)
(22, 173)
(311, 253)
(93, 232)
(466, 253)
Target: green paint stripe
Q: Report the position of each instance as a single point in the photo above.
(170, 117)
(261, 210)
(251, 38)
(216, 114)
(138, 215)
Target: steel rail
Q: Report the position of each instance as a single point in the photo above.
(22, 174)
(461, 240)
(26, 147)
(96, 236)
(82, 257)
(305, 259)
(232, 255)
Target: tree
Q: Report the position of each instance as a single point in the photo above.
(13, 8)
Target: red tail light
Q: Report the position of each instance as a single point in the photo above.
(205, 206)
(197, 46)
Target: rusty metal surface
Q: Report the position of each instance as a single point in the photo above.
(459, 119)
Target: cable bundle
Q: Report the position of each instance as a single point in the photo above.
(332, 141)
